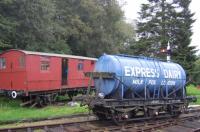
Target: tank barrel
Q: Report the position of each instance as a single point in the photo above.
(123, 75)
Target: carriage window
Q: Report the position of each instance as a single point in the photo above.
(45, 65)
(80, 66)
(2, 63)
(22, 61)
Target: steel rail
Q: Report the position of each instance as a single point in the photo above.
(92, 124)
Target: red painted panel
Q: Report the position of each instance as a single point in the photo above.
(13, 77)
(4, 80)
(40, 80)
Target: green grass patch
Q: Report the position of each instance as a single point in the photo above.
(192, 90)
(10, 110)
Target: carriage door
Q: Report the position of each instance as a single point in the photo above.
(64, 71)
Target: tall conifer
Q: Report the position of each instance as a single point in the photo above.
(163, 21)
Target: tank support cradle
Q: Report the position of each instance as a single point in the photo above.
(121, 111)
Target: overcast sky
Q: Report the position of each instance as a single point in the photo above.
(131, 8)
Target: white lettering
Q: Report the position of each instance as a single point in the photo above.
(127, 71)
(148, 73)
(152, 82)
(133, 71)
(171, 83)
(140, 72)
(173, 74)
(153, 72)
(137, 69)
(163, 82)
(138, 82)
(143, 73)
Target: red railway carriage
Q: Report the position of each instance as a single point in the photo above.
(29, 73)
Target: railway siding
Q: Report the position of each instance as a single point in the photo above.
(186, 122)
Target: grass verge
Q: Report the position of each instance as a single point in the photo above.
(192, 90)
(11, 111)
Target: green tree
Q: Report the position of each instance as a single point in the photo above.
(73, 30)
(7, 23)
(164, 21)
(36, 27)
(94, 27)
(183, 53)
(80, 27)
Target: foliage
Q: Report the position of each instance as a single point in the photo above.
(7, 23)
(81, 27)
(94, 26)
(163, 21)
(184, 54)
(36, 27)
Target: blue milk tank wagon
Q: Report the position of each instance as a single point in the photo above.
(132, 87)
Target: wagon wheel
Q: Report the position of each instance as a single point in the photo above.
(174, 110)
(71, 94)
(54, 97)
(117, 118)
(40, 101)
(150, 112)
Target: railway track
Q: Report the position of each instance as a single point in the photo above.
(186, 122)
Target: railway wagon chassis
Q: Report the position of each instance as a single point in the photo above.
(134, 109)
(137, 106)
(43, 98)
